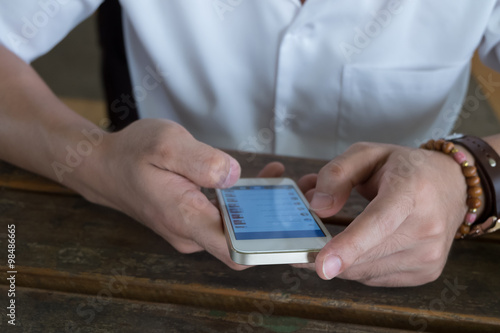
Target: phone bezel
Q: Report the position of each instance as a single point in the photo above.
(274, 250)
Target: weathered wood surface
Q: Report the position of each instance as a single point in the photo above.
(14, 178)
(48, 311)
(67, 244)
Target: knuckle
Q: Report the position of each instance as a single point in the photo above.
(367, 275)
(193, 197)
(436, 256)
(357, 247)
(163, 149)
(436, 228)
(191, 205)
(335, 169)
(166, 137)
(425, 188)
(361, 146)
(184, 248)
(407, 202)
(392, 245)
(433, 276)
(173, 129)
(350, 274)
(215, 167)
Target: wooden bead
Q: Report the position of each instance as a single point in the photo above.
(473, 181)
(447, 147)
(464, 229)
(473, 202)
(469, 171)
(438, 144)
(430, 145)
(475, 191)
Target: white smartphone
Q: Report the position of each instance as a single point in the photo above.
(268, 221)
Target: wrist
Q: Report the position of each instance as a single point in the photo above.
(472, 161)
(486, 160)
(472, 179)
(78, 160)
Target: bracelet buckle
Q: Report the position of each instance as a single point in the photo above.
(495, 225)
(489, 226)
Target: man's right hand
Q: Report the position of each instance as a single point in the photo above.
(153, 170)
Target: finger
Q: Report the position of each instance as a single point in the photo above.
(187, 219)
(176, 208)
(337, 178)
(425, 260)
(391, 245)
(388, 265)
(205, 227)
(372, 227)
(397, 270)
(309, 195)
(205, 166)
(307, 182)
(405, 279)
(273, 169)
(211, 237)
(181, 244)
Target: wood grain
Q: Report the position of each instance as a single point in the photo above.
(68, 244)
(48, 311)
(15, 178)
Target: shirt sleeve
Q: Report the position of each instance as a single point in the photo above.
(489, 49)
(31, 28)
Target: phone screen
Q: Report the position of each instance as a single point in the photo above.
(269, 211)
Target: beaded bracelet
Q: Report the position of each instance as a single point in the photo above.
(474, 189)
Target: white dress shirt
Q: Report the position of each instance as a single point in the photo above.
(275, 76)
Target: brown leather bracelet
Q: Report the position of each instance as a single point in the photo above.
(487, 162)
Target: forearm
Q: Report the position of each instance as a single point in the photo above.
(37, 130)
(494, 142)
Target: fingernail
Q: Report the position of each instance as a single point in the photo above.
(321, 201)
(233, 175)
(331, 266)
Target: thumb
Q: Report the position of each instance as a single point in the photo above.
(337, 179)
(203, 165)
(369, 230)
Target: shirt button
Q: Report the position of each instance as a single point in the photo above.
(283, 119)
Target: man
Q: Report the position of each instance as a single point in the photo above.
(274, 76)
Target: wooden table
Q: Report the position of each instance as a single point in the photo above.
(85, 268)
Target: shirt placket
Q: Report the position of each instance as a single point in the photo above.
(300, 30)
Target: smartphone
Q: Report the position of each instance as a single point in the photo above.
(268, 221)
